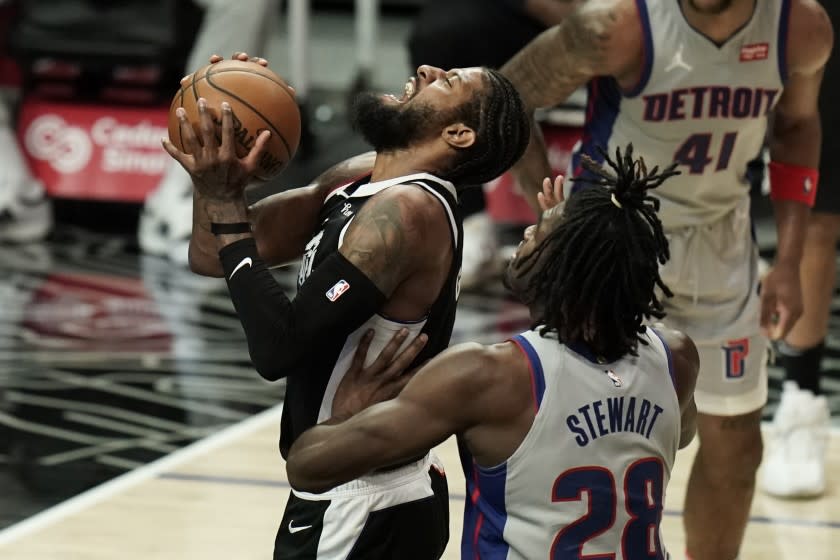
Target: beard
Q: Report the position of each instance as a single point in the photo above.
(714, 9)
(389, 127)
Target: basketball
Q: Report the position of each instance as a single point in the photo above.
(260, 100)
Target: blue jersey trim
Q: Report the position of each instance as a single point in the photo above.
(485, 516)
(535, 365)
(668, 354)
(644, 18)
(601, 114)
(784, 18)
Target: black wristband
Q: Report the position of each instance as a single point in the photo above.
(224, 229)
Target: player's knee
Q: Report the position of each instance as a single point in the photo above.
(731, 447)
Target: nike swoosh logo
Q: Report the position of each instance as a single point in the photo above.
(298, 529)
(243, 262)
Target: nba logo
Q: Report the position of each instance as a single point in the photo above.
(616, 380)
(734, 355)
(336, 291)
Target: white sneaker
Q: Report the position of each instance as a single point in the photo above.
(795, 463)
(480, 248)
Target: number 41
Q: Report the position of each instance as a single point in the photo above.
(694, 152)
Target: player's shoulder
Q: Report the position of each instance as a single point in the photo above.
(810, 36)
(683, 353)
(605, 20)
(345, 171)
(609, 28)
(500, 373)
(413, 216)
(418, 207)
(606, 13)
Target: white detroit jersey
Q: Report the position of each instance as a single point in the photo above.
(589, 478)
(699, 103)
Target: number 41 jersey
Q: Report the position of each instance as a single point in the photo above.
(589, 478)
(701, 104)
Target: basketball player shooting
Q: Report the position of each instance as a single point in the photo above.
(586, 410)
(380, 243)
(694, 81)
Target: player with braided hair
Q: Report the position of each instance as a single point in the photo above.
(491, 154)
(614, 234)
(554, 412)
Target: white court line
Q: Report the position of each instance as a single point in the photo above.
(123, 482)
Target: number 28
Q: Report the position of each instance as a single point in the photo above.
(643, 495)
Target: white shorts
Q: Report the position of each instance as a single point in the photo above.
(713, 272)
(402, 513)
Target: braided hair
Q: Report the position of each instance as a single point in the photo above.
(597, 283)
(502, 128)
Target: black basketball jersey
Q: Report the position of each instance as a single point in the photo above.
(310, 391)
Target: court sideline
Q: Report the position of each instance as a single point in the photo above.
(223, 496)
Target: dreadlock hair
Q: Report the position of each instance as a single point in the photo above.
(502, 129)
(597, 283)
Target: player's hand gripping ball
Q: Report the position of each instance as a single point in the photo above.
(260, 100)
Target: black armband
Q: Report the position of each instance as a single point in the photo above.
(335, 300)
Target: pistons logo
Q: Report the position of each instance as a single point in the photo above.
(735, 356)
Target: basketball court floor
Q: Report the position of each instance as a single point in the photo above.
(132, 425)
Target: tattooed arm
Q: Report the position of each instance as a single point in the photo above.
(282, 223)
(395, 236)
(600, 38)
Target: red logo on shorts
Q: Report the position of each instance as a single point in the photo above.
(735, 355)
(756, 51)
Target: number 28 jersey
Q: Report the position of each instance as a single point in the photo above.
(589, 478)
(701, 104)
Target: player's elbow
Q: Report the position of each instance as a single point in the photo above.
(270, 369)
(272, 363)
(688, 424)
(687, 434)
(299, 479)
(303, 477)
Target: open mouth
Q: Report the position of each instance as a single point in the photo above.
(409, 91)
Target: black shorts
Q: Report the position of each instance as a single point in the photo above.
(401, 514)
(828, 192)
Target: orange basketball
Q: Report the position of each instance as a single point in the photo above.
(260, 100)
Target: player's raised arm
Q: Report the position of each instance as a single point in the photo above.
(795, 140)
(282, 223)
(396, 234)
(466, 386)
(600, 38)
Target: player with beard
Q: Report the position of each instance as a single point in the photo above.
(380, 239)
(693, 81)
